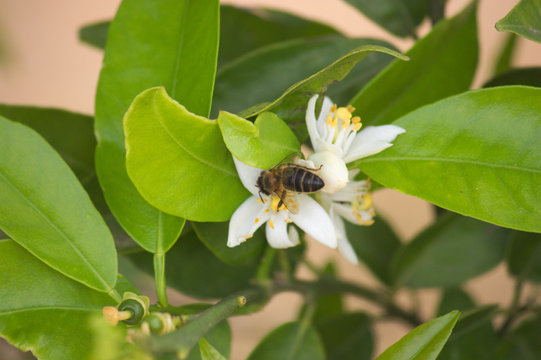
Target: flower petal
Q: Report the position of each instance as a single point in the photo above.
(322, 118)
(277, 235)
(311, 120)
(371, 141)
(315, 221)
(248, 175)
(243, 223)
(344, 246)
(350, 214)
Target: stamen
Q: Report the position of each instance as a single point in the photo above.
(333, 108)
(343, 113)
(274, 204)
(334, 122)
(367, 201)
(329, 120)
(350, 108)
(357, 127)
(259, 201)
(366, 222)
(267, 210)
(245, 237)
(345, 124)
(271, 224)
(256, 220)
(356, 120)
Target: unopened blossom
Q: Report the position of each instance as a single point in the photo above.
(261, 209)
(353, 203)
(337, 140)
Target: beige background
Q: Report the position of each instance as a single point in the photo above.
(47, 66)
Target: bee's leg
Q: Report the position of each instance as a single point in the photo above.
(282, 197)
(260, 197)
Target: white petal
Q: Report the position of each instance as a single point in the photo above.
(345, 211)
(315, 221)
(344, 246)
(243, 222)
(293, 235)
(248, 175)
(311, 120)
(371, 141)
(322, 118)
(277, 235)
(333, 172)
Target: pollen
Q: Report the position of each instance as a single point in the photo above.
(367, 201)
(356, 120)
(267, 210)
(274, 203)
(350, 108)
(245, 237)
(259, 200)
(357, 127)
(333, 108)
(271, 224)
(288, 221)
(256, 220)
(343, 113)
(345, 124)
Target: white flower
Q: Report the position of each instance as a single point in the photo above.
(254, 212)
(337, 141)
(353, 203)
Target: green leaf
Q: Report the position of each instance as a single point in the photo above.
(192, 269)
(442, 64)
(398, 17)
(291, 105)
(214, 236)
(523, 342)
(375, 246)
(45, 209)
(505, 58)
(263, 75)
(473, 336)
(208, 352)
(151, 43)
(451, 251)
(524, 20)
(524, 256)
(293, 340)
(424, 342)
(465, 152)
(263, 143)
(454, 298)
(42, 310)
(347, 336)
(523, 76)
(244, 30)
(71, 135)
(95, 34)
(178, 160)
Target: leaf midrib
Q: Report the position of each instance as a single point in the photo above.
(51, 307)
(57, 229)
(458, 161)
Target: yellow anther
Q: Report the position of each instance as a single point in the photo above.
(333, 108)
(267, 210)
(334, 122)
(271, 224)
(247, 236)
(367, 201)
(343, 113)
(329, 119)
(259, 201)
(350, 108)
(366, 222)
(357, 127)
(372, 213)
(356, 120)
(256, 220)
(345, 124)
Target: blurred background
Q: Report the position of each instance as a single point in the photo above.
(43, 63)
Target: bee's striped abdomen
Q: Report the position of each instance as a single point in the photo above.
(300, 180)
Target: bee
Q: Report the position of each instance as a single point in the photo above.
(286, 179)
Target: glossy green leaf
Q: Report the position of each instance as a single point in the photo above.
(505, 58)
(208, 352)
(523, 76)
(424, 342)
(214, 236)
(442, 63)
(243, 30)
(95, 34)
(398, 17)
(455, 249)
(192, 269)
(524, 20)
(473, 337)
(375, 246)
(264, 74)
(42, 310)
(71, 135)
(151, 43)
(45, 209)
(293, 340)
(291, 105)
(524, 256)
(454, 298)
(263, 143)
(178, 160)
(474, 153)
(347, 336)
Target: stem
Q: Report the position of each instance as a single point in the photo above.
(184, 338)
(265, 267)
(159, 278)
(284, 264)
(327, 285)
(514, 309)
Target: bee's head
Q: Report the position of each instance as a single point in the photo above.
(260, 184)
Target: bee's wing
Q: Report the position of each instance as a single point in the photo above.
(290, 159)
(290, 202)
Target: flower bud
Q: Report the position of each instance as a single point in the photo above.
(333, 172)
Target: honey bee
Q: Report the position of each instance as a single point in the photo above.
(286, 179)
